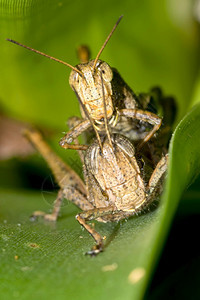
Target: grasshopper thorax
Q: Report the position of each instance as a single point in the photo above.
(89, 88)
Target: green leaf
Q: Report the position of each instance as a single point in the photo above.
(196, 93)
(48, 261)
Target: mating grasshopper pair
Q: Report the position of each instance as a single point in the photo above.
(115, 184)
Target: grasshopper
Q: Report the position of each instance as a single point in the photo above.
(115, 187)
(127, 114)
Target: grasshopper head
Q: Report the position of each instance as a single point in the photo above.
(89, 87)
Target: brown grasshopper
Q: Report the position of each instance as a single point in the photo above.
(126, 113)
(114, 188)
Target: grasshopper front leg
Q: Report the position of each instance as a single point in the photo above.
(71, 135)
(136, 114)
(145, 116)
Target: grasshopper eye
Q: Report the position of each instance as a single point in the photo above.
(106, 70)
(73, 78)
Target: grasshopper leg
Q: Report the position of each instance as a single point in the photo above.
(145, 116)
(71, 186)
(95, 213)
(71, 135)
(73, 122)
(56, 209)
(156, 180)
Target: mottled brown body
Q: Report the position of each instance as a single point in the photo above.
(115, 178)
(114, 186)
(117, 173)
(126, 113)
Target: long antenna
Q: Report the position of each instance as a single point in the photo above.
(106, 41)
(46, 55)
(90, 119)
(105, 113)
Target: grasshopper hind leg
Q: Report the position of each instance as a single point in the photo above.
(71, 186)
(56, 209)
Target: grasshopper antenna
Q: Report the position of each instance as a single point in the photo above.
(106, 41)
(46, 55)
(105, 113)
(90, 119)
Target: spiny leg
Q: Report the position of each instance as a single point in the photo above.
(95, 213)
(145, 116)
(56, 209)
(72, 187)
(72, 122)
(63, 174)
(71, 194)
(71, 135)
(138, 114)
